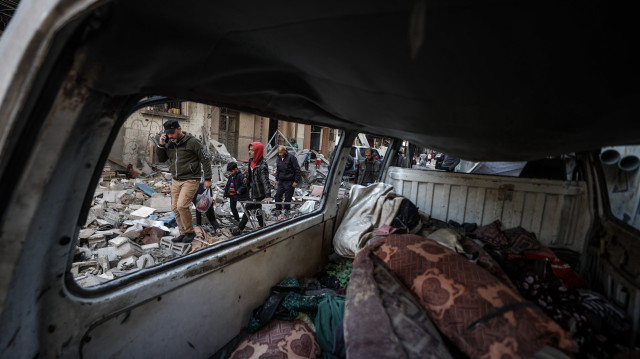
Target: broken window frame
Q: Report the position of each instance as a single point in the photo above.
(215, 248)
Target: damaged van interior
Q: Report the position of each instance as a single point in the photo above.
(468, 180)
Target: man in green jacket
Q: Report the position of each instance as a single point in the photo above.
(188, 160)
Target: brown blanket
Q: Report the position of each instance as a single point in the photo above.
(383, 319)
(481, 314)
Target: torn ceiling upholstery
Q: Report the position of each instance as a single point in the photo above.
(498, 80)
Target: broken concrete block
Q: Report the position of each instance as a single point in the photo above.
(114, 218)
(129, 197)
(103, 262)
(108, 252)
(96, 240)
(95, 212)
(112, 196)
(178, 248)
(145, 260)
(127, 263)
(160, 202)
(125, 248)
(89, 281)
(134, 231)
(86, 233)
(90, 267)
(107, 275)
(108, 234)
(115, 206)
(150, 246)
(143, 212)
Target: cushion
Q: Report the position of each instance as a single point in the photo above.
(279, 339)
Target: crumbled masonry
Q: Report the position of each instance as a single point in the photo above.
(130, 223)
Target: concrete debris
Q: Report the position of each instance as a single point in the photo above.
(160, 202)
(143, 212)
(145, 260)
(128, 263)
(134, 231)
(86, 233)
(125, 247)
(130, 224)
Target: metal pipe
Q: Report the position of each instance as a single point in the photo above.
(629, 163)
(610, 157)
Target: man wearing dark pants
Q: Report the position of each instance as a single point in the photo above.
(287, 177)
(235, 189)
(188, 160)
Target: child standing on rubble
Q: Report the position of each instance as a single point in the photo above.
(235, 189)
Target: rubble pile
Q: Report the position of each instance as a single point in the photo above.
(130, 223)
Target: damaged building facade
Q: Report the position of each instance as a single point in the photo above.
(220, 129)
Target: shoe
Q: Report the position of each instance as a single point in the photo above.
(188, 238)
(236, 231)
(177, 239)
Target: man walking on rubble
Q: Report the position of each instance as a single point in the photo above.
(368, 169)
(258, 180)
(235, 189)
(287, 177)
(188, 160)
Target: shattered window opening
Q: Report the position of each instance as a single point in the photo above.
(131, 225)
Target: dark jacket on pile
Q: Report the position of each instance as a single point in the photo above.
(242, 193)
(288, 168)
(185, 159)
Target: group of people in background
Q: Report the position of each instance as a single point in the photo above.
(191, 175)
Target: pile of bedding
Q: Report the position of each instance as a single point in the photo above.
(422, 288)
